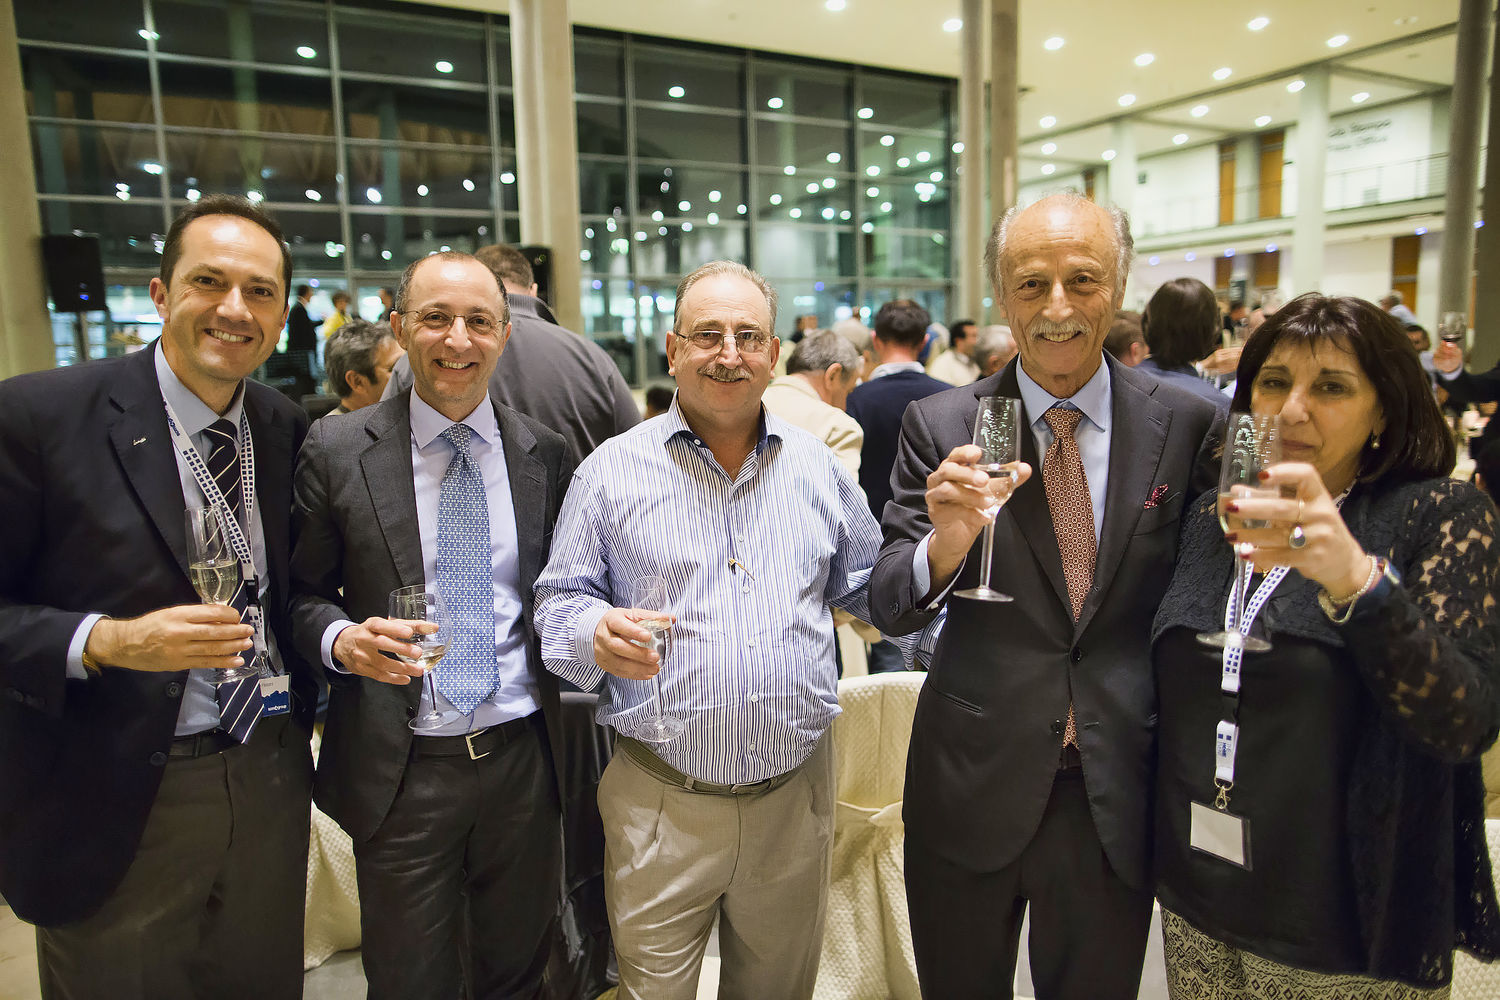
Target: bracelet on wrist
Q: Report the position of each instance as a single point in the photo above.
(1338, 609)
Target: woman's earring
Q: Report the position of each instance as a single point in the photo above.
(1375, 442)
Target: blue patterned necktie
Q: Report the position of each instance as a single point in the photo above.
(468, 673)
(239, 701)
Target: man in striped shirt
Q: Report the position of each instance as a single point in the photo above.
(757, 529)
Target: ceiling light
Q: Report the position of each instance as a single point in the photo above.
(872, 170)
(789, 170)
(776, 199)
(774, 103)
(684, 206)
(1190, 256)
(872, 192)
(795, 213)
(1048, 168)
(154, 169)
(687, 227)
(958, 147)
(1047, 121)
(844, 216)
(1145, 59)
(1262, 121)
(953, 24)
(1421, 230)
(1361, 97)
(1270, 248)
(828, 214)
(676, 92)
(1107, 155)
(385, 255)
(662, 231)
(835, 5)
(923, 156)
(885, 206)
(834, 157)
(1154, 261)
(307, 52)
(658, 215)
(148, 34)
(713, 218)
(507, 178)
(829, 183)
(866, 113)
(714, 196)
(255, 197)
(1259, 23)
(193, 194)
(1054, 43)
(1229, 252)
(935, 176)
(468, 184)
(443, 66)
(868, 227)
(887, 140)
(313, 195)
(1337, 40)
(1179, 138)
(1048, 148)
(1222, 73)
(903, 162)
(371, 193)
(1199, 110)
(741, 209)
(812, 187)
(1295, 86)
(1126, 100)
(421, 190)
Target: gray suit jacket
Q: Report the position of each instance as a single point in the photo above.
(357, 531)
(988, 729)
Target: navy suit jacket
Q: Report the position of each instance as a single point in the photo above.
(92, 509)
(878, 406)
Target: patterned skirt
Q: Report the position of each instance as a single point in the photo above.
(1202, 968)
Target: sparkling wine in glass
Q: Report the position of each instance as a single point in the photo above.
(1252, 443)
(424, 605)
(997, 432)
(649, 593)
(214, 571)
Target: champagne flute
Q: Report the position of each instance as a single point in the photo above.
(997, 432)
(649, 593)
(1252, 443)
(1454, 328)
(416, 605)
(214, 570)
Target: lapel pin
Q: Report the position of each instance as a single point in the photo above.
(138, 441)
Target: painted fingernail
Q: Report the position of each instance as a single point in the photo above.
(1231, 537)
(1232, 507)
(1263, 475)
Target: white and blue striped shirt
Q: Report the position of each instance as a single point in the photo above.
(749, 664)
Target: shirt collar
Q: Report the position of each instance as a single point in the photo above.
(427, 423)
(673, 424)
(892, 367)
(193, 415)
(1094, 399)
(797, 385)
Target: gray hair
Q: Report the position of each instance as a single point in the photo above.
(993, 340)
(995, 250)
(714, 269)
(352, 348)
(856, 333)
(817, 352)
(403, 290)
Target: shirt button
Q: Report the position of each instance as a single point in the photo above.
(755, 697)
(739, 538)
(174, 689)
(746, 589)
(750, 643)
(751, 747)
(158, 759)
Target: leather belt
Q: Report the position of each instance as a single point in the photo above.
(660, 769)
(210, 741)
(476, 745)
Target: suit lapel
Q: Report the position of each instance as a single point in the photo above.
(144, 447)
(386, 465)
(1137, 439)
(1028, 505)
(528, 495)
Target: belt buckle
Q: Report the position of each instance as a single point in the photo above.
(469, 742)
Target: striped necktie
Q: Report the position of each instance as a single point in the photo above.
(239, 701)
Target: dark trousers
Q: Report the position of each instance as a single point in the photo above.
(464, 872)
(212, 904)
(1088, 929)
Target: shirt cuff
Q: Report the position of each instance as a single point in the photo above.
(329, 635)
(1449, 376)
(76, 670)
(921, 580)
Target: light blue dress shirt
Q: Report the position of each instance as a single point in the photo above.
(516, 694)
(752, 564)
(200, 706)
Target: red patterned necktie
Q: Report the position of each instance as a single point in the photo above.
(1072, 517)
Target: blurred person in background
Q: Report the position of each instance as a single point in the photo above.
(658, 400)
(863, 339)
(338, 317)
(956, 365)
(994, 349)
(1394, 303)
(1181, 327)
(1125, 342)
(359, 359)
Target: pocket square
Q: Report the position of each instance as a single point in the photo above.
(1158, 497)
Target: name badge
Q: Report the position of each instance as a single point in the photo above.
(275, 695)
(1220, 833)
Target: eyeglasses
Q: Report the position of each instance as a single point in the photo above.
(746, 342)
(441, 319)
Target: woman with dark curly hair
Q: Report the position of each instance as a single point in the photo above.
(1319, 814)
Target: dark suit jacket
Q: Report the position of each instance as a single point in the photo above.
(878, 405)
(301, 331)
(1475, 387)
(989, 722)
(357, 530)
(555, 376)
(93, 522)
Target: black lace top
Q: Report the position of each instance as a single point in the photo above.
(1412, 791)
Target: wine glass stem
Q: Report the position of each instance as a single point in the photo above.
(431, 692)
(1241, 588)
(987, 558)
(656, 695)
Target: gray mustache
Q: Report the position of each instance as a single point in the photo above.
(723, 373)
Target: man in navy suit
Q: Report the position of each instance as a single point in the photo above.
(154, 832)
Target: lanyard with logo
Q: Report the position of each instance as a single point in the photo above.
(236, 534)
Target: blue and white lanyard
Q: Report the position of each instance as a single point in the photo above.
(1226, 740)
(237, 540)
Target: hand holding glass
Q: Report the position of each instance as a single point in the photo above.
(649, 593)
(1252, 443)
(215, 572)
(424, 605)
(997, 433)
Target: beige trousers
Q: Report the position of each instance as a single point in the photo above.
(675, 861)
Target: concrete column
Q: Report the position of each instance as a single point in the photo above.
(1309, 234)
(25, 326)
(1246, 179)
(1487, 258)
(1005, 59)
(1123, 168)
(541, 47)
(973, 285)
(1466, 117)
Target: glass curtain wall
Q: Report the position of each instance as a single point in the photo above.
(381, 131)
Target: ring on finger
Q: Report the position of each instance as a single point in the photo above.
(1299, 510)
(1297, 538)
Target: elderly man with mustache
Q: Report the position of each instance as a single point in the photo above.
(757, 528)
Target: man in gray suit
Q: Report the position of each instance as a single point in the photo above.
(549, 373)
(456, 833)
